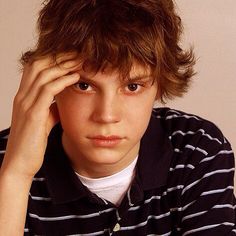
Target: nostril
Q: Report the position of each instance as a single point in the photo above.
(106, 115)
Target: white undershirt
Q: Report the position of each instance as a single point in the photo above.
(113, 187)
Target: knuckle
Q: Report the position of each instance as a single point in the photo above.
(23, 106)
(35, 64)
(47, 89)
(66, 65)
(32, 67)
(43, 73)
(30, 115)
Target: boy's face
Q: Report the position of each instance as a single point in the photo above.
(104, 118)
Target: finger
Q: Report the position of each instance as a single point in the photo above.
(61, 57)
(31, 70)
(49, 91)
(46, 77)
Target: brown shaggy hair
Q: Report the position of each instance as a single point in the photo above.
(115, 34)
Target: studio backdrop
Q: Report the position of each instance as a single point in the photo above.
(210, 26)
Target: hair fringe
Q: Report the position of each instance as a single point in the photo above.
(115, 35)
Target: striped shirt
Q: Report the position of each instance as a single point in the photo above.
(183, 186)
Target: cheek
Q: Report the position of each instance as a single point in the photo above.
(71, 118)
(138, 116)
(140, 106)
(70, 109)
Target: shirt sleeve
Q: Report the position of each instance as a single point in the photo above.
(3, 143)
(208, 201)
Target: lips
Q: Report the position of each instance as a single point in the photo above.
(105, 141)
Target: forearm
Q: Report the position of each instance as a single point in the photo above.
(33, 117)
(14, 192)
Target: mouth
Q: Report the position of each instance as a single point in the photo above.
(105, 141)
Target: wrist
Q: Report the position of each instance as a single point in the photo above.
(7, 173)
(13, 168)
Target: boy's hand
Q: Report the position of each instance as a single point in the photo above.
(34, 114)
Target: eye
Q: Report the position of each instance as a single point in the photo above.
(132, 87)
(82, 86)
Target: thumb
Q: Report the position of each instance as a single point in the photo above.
(53, 117)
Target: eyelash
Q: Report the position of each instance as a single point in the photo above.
(81, 83)
(139, 86)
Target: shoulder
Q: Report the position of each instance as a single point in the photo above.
(3, 142)
(196, 143)
(184, 129)
(202, 157)
(176, 120)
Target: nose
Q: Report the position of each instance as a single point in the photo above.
(107, 110)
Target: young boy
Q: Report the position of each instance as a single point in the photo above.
(87, 154)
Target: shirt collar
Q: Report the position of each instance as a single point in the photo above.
(152, 166)
(155, 155)
(63, 184)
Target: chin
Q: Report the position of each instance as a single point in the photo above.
(106, 157)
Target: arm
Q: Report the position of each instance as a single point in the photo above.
(13, 203)
(32, 120)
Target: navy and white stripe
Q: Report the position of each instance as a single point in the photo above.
(184, 186)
